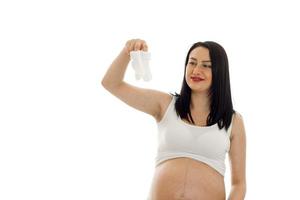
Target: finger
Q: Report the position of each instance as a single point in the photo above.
(131, 46)
(127, 47)
(145, 47)
(137, 46)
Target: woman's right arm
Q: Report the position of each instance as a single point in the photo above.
(145, 100)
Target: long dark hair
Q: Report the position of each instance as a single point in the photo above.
(221, 109)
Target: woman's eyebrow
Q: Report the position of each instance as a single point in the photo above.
(202, 60)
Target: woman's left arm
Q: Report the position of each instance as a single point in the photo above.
(237, 159)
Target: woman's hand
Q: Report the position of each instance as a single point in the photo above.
(135, 45)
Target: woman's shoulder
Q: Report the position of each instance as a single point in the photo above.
(237, 117)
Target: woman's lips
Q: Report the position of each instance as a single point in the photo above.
(197, 79)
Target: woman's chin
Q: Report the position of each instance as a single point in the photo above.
(199, 89)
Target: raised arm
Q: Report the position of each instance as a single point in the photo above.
(145, 100)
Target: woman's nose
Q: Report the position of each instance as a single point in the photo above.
(198, 67)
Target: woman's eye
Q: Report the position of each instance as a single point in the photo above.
(192, 63)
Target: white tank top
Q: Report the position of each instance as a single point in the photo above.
(177, 138)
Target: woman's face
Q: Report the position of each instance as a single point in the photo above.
(199, 66)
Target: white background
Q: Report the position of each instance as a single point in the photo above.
(63, 136)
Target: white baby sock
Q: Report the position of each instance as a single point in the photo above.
(140, 64)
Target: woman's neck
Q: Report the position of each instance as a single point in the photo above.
(200, 102)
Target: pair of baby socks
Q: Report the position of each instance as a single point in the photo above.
(140, 63)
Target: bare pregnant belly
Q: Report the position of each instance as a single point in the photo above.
(186, 179)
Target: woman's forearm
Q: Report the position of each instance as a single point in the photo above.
(115, 73)
(238, 192)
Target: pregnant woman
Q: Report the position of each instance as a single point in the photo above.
(196, 128)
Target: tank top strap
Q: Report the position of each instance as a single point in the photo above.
(168, 115)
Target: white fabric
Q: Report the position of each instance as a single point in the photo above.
(177, 138)
(140, 64)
